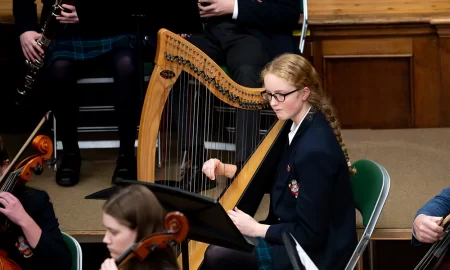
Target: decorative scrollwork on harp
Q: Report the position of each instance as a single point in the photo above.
(250, 101)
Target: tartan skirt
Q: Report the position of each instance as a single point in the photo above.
(78, 48)
(263, 254)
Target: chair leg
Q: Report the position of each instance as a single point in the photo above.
(371, 263)
(55, 144)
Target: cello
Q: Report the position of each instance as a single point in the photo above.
(22, 172)
(177, 228)
(438, 257)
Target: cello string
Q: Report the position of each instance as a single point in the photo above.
(428, 258)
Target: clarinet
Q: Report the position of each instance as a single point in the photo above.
(49, 29)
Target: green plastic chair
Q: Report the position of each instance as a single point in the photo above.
(371, 185)
(75, 250)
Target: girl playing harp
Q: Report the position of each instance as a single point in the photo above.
(311, 196)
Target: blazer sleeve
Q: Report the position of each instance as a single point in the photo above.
(315, 186)
(437, 207)
(25, 15)
(51, 249)
(269, 13)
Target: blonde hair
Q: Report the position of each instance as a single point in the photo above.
(299, 72)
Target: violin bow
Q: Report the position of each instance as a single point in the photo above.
(25, 145)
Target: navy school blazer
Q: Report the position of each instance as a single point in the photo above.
(311, 197)
(51, 252)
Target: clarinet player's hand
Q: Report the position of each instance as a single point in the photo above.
(70, 16)
(30, 48)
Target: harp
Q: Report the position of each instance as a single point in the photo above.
(176, 57)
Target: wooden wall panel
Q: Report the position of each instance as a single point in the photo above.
(6, 15)
(445, 79)
(370, 92)
(369, 7)
(427, 92)
(354, 57)
(362, 47)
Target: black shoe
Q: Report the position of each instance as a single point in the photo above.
(194, 180)
(126, 169)
(68, 173)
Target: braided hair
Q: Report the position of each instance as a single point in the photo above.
(299, 72)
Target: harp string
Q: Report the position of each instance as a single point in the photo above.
(203, 108)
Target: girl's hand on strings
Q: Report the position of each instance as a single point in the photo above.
(13, 209)
(213, 167)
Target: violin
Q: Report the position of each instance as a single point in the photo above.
(177, 228)
(6, 263)
(438, 256)
(29, 165)
(23, 171)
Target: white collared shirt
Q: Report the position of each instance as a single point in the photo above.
(235, 11)
(295, 128)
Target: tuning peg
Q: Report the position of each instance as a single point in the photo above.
(38, 169)
(172, 243)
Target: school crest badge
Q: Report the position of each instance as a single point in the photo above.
(24, 247)
(294, 187)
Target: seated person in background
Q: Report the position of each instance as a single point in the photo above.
(244, 36)
(129, 216)
(311, 196)
(29, 230)
(427, 224)
(76, 44)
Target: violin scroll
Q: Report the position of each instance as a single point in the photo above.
(34, 164)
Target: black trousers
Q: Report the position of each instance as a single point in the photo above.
(245, 57)
(61, 79)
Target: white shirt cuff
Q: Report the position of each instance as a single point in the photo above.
(235, 11)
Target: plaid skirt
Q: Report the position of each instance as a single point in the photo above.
(263, 254)
(77, 48)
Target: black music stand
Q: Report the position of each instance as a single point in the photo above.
(208, 221)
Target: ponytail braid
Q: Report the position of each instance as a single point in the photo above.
(328, 111)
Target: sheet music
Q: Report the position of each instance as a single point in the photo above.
(304, 258)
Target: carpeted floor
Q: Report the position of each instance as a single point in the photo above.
(416, 159)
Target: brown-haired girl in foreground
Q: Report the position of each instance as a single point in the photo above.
(129, 216)
(311, 196)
